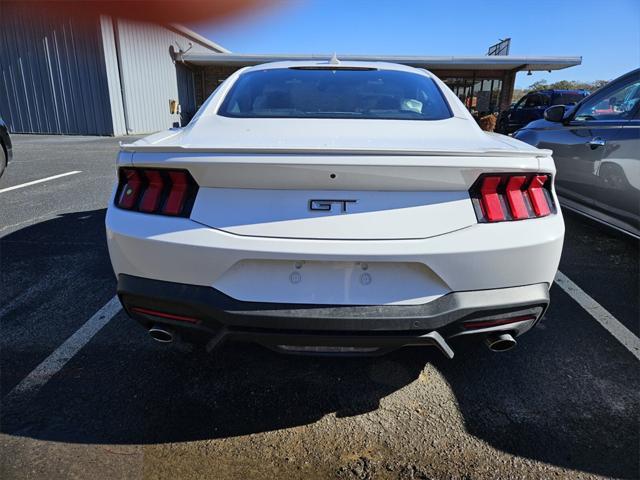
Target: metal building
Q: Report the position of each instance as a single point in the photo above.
(99, 77)
(110, 76)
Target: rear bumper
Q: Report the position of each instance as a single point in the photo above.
(212, 314)
(480, 257)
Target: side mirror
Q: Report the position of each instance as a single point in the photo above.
(554, 114)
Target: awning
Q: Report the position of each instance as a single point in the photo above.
(479, 62)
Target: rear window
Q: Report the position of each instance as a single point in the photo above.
(339, 93)
(567, 98)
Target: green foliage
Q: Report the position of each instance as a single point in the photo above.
(518, 93)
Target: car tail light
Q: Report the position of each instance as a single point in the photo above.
(537, 195)
(151, 196)
(515, 197)
(158, 191)
(512, 196)
(129, 188)
(491, 201)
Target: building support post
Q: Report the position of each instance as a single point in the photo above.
(506, 92)
(112, 72)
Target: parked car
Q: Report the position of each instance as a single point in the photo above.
(6, 151)
(532, 106)
(596, 147)
(322, 207)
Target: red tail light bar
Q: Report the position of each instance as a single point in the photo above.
(170, 316)
(499, 197)
(155, 190)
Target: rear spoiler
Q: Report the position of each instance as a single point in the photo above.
(342, 151)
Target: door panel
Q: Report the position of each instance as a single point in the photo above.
(618, 176)
(577, 158)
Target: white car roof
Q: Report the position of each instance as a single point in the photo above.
(342, 64)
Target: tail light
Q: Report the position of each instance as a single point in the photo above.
(503, 197)
(158, 191)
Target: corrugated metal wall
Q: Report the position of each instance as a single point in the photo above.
(149, 76)
(100, 77)
(52, 74)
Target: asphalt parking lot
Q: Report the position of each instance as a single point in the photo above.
(113, 404)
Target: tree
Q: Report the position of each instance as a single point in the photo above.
(565, 85)
(599, 83)
(539, 85)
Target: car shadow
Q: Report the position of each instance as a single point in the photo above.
(556, 398)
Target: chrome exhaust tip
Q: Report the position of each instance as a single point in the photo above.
(500, 343)
(161, 334)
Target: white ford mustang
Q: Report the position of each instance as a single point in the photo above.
(333, 206)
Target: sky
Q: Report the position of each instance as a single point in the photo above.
(606, 34)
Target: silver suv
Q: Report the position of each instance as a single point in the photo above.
(596, 147)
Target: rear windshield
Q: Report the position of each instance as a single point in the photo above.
(340, 93)
(567, 98)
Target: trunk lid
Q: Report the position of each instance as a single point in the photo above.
(334, 197)
(334, 214)
(338, 179)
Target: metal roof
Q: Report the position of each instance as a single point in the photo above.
(478, 62)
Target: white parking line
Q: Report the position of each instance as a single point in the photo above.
(602, 316)
(65, 352)
(15, 187)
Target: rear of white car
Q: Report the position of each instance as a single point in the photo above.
(351, 235)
